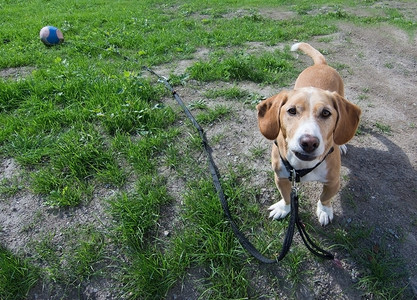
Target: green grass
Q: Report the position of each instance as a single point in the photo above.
(275, 67)
(257, 152)
(9, 187)
(381, 270)
(74, 264)
(383, 128)
(17, 276)
(84, 121)
(214, 114)
(233, 93)
(137, 213)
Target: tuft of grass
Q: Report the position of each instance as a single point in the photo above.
(236, 94)
(232, 93)
(294, 265)
(383, 128)
(73, 257)
(213, 115)
(209, 243)
(17, 276)
(149, 275)
(137, 213)
(198, 104)
(381, 269)
(257, 152)
(275, 67)
(79, 155)
(10, 187)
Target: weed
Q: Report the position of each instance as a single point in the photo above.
(349, 238)
(198, 104)
(73, 259)
(363, 97)
(361, 129)
(383, 128)
(217, 138)
(257, 152)
(175, 79)
(37, 218)
(326, 39)
(389, 65)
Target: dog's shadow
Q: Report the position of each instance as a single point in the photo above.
(381, 179)
(380, 198)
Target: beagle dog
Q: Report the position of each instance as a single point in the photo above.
(310, 125)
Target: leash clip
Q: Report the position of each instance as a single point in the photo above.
(293, 178)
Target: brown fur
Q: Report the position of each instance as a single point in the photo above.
(318, 91)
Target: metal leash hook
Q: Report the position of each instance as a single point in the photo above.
(294, 192)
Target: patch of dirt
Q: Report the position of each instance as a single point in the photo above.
(25, 219)
(16, 73)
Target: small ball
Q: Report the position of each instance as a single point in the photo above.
(51, 35)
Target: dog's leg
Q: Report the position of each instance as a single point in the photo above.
(324, 206)
(280, 209)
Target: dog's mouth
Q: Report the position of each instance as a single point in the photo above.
(304, 157)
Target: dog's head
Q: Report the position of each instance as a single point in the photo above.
(310, 120)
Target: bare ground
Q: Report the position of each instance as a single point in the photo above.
(379, 172)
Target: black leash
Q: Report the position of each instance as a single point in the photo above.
(295, 177)
(246, 244)
(316, 250)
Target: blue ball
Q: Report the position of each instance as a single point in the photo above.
(51, 35)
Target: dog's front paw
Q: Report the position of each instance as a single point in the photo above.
(324, 213)
(279, 210)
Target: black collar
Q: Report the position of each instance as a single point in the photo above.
(302, 172)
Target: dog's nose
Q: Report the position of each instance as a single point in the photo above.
(309, 143)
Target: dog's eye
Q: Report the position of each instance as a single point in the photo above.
(325, 113)
(292, 111)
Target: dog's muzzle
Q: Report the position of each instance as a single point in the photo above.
(309, 145)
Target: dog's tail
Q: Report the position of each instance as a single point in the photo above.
(317, 57)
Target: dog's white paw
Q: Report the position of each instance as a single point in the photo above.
(324, 213)
(343, 149)
(279, 210)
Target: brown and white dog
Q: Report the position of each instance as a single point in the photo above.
(306, 123)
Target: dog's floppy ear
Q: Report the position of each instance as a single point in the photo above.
(348, 119)
(268, 115)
